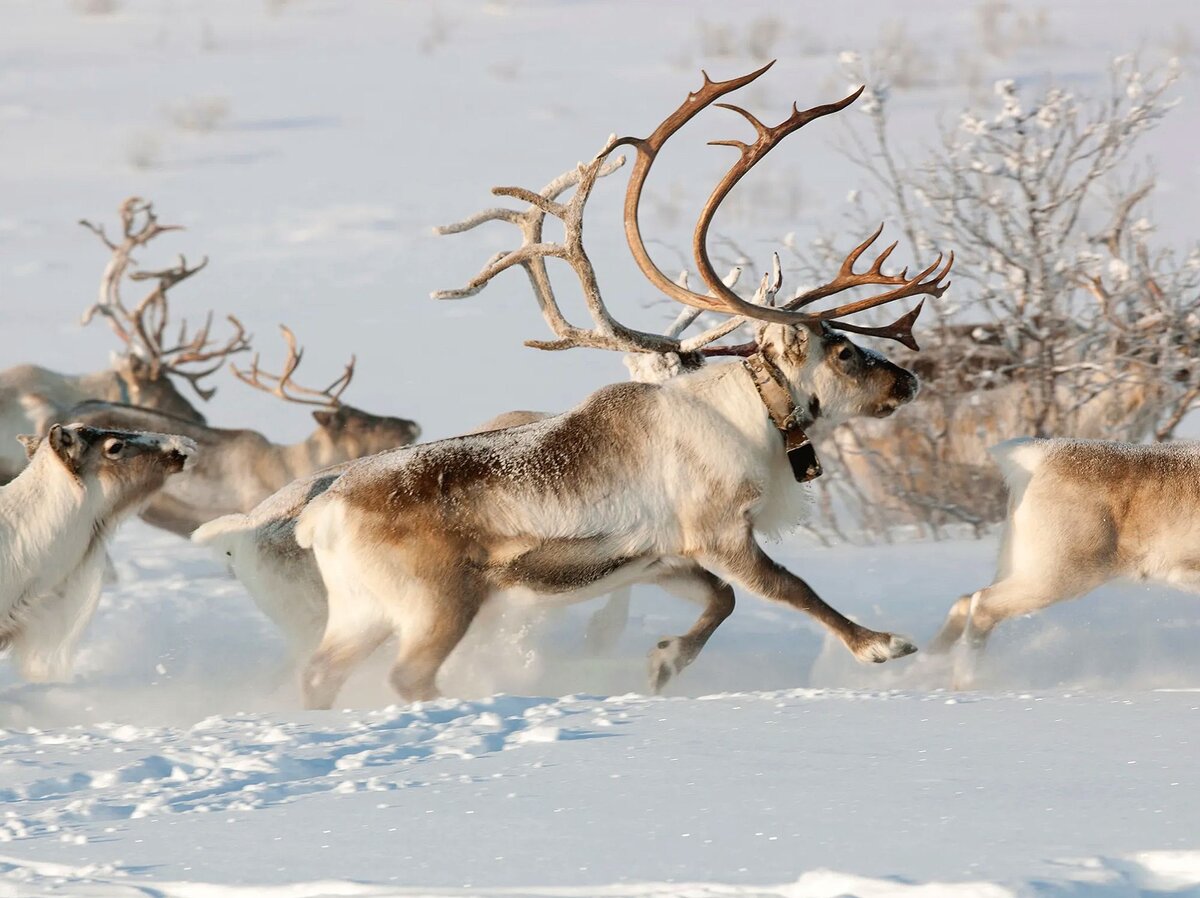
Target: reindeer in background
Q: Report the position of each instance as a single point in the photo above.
(237, 469)
(31, 397)
(665, 483)
(1080, 514)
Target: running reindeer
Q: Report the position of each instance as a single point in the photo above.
(641, 483)
(237, 469)
(284, 580)
(31, 398)
(55, 518)
(1081, 513)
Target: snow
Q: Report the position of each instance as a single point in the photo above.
(309, 147)
(178, 761)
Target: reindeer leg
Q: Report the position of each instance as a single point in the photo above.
(952, 628)
(606, 625)
(352, 632)
(429, 633)
(333, 661)
(672, 654)
(1013, 597)
(750, 567)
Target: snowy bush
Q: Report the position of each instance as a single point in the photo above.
(1066, 317)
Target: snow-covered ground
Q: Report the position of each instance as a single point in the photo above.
(180, 757)
(178, 763)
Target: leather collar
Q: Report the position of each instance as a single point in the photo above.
(785, 415)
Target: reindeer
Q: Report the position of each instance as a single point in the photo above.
(237, 469)
(31, 398)
(55, 518)
(666, 483)
(1081, 513)
(283, 579)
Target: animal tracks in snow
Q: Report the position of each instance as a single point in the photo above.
(248, 762)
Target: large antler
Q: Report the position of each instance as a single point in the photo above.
(927, 283)
(143, 328)
(281, 384)
(610, 334)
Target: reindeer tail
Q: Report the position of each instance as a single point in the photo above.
(1018, 460)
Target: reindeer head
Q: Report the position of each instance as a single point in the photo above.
(355, 433)
(834, 378)
(805, 353)
(144, 384)
(122, 466)
(343, 431)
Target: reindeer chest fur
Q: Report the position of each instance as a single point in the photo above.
(45, 533)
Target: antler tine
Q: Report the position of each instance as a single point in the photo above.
(335, 390)
(915, 286)
(688, 315)
(197, 349)
(152, 315)
(769, 289)
(899, 330)
(282, 385)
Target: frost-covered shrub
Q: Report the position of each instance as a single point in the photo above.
(1067, 317)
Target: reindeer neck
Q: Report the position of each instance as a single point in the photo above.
(728, 389)
(760, 400)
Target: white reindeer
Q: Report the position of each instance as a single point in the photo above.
(32, 397)
(237, 469)
(641, 483)
(54, 520)
(1081, 513)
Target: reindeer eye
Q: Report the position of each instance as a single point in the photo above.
(846, 354)
(113, 448)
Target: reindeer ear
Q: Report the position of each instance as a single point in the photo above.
(324, 418)
(67, 445)
(30, 442)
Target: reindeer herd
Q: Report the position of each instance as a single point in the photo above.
(355, 536)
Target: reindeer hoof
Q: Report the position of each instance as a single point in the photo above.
(665, 661)
(885, 647)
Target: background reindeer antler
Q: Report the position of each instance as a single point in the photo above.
(285, 388)
(143, 328)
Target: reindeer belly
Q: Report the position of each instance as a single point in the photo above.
(566, 570)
